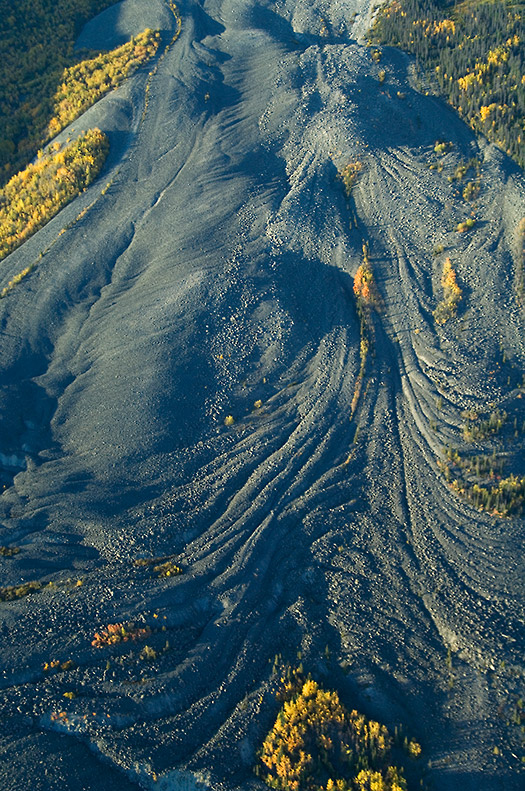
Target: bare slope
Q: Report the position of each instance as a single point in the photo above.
(217, 271)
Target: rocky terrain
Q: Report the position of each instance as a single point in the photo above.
(211, 277)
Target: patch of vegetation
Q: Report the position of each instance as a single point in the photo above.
(479, 480)
(316, 744)
(148, 654)
(472, 190)
(465, 226)
(162, 566)
(16, 280)
(476, 429)
(489, 465)
(442, 147)
(19, 591)
(9, 552)
(119, 633)
(349, 174)
(464, 168)
(447, 308)
(26, 588)
(506, 498)
(55, 664)
(520, 264)
(35, 195)
(480, 74)
(36, 45)
(365, 289)
(85, 83)
(167, 569)
(367, 297)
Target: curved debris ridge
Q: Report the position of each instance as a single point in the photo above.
(119, 22)
(234, 365)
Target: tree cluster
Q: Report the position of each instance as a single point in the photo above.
(474, 53)
(162, 566)
(19, 591)
(316, 744)
(119, 633)
(364, 284)
(85, 83)
(365, 289)
(349, 174)
(479, 479)
(32, 197)
(476, 429)
(451, 294)
(36, 44)
(9, 552)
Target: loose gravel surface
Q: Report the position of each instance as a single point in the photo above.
(213, 269)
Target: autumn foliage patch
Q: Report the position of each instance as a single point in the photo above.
(316, 744)
(447, 308)
(35, 195)
(119, 633)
